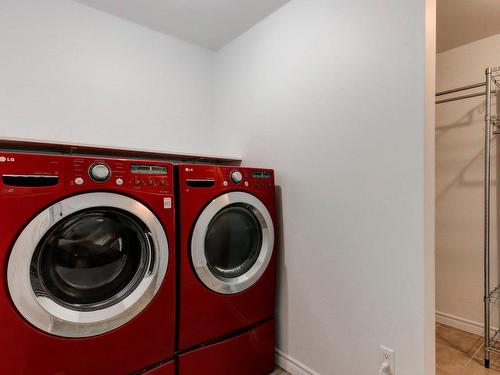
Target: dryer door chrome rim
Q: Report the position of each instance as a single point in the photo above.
(87, 264)
(232, 242)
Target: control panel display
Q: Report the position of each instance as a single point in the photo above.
(263, 175)
(148, 169)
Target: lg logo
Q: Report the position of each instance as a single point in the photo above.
(189, 169)
(4, 159)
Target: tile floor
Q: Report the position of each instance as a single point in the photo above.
(461, 353)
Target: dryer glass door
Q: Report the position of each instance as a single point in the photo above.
(87, 264)
(92, 259)
(232, 242)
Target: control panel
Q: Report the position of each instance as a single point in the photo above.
(247, 177)
(203, 177)
(138, 175)
(25, 173)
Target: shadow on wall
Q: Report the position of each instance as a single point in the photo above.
(471, 173)
(281, 285)
(461, 178)
(465, 120)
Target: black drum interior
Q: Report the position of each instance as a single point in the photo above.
(233, 241)
(92, 259)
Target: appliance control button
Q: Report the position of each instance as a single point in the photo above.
(246, 183)
(225, 183)
(236, 177)
(119, 181)
(79, 181)
(136, 181)
(163, 182)
(99, 172)
(150, 181)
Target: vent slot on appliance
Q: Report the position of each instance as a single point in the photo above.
(200, 183)
(29, 180)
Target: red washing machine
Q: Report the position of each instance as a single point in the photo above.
(227, 274)
(87, 255)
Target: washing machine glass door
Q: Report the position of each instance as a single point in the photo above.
(232, 242)
(87, 264)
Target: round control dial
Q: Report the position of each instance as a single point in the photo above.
(99, 172)
(236, 177)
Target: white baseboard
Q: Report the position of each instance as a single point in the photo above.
(291, 365)
(295, 367)
(462, 323)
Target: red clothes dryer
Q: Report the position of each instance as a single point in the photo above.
(87, 255)
(227, 276)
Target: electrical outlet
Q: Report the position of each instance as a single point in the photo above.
(388, 355)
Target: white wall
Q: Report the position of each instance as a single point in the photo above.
(93, 78)
(459, 187)
(331, 94)
(328, 92)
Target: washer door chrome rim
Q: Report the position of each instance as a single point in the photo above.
(218, 283)
(52, 317)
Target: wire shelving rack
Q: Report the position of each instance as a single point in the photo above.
(491, 294)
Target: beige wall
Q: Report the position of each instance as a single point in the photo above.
(459, 187)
